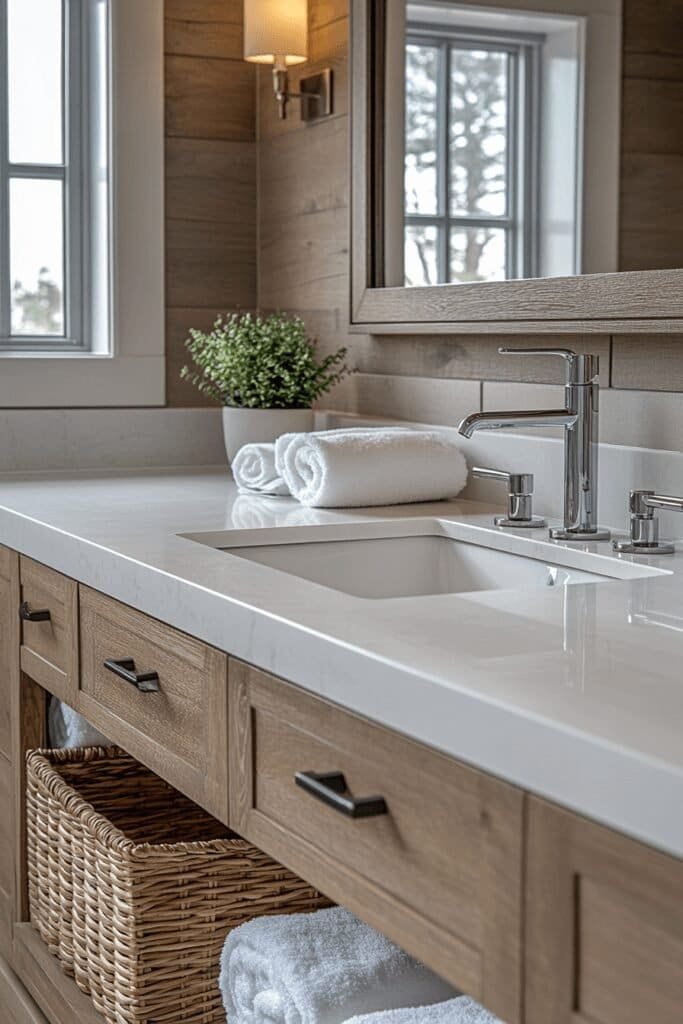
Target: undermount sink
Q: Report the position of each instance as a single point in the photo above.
(365, 561)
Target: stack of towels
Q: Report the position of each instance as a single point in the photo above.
(329, 968)
(354, 467)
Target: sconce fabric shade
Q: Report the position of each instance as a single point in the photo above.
(276, 31)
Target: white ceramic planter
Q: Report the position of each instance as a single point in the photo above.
(248, 426)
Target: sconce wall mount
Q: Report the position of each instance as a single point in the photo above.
(276, 33)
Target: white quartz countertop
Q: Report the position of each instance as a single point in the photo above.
(575, 693)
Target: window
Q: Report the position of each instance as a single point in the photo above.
(54, 168)
(471, 154)
(82, 319)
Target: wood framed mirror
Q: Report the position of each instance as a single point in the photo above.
(495, 182)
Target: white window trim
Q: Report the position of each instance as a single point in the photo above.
(132, 373)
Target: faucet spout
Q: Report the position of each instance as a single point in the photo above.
(508, 420)
(580, 421)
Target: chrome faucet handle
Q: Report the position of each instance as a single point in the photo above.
(581, 369)
(520, 498)
(644, 525)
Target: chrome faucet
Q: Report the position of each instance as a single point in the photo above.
(580, 421)
(644, 526)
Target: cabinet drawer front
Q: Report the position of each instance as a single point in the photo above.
(604, 925)
(49, 646)
(439, 872)
(179, 730)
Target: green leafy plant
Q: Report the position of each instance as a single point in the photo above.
(258, 362)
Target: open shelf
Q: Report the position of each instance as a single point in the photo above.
(55, 992)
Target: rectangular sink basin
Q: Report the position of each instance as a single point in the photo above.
(432, 561)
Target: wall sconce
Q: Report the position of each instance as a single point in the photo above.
(276, 32)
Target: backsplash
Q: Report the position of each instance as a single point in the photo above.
(76, 440)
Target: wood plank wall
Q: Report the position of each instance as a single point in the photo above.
(210, 174)
(303, 246)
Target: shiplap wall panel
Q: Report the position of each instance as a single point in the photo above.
(210, 175)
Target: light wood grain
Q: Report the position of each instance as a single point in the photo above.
(209, 99)
(632, 369)
(211, 180)
(205, 28)
(5, 562)
(8, 634)
(313, 273)
(322, 12)
(178, 323)
(210, 172)
(290, 187)
(28, 733)
(16, 1006)
(440, 874)
(604, 925)
(6, 856)
(473, 357)
(180, 732)
(49, 650)
(211, 266)
(56, 994)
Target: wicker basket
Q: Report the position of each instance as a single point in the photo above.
(134, 888)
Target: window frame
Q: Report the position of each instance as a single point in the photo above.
(523, 125)
(128, 366)
(73, 174)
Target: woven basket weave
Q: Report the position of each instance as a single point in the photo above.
(134, 888)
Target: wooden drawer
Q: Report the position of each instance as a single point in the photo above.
(49, 647)
(440, 873)
(179, 731)
(604, 933)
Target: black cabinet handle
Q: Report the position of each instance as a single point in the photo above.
(331, 788)
(40, 615)
(146, 682)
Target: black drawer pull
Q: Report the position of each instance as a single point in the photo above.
(331, 788)
(40, 615)
(146, 682)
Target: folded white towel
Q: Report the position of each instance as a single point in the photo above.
(455, 1011)
(318, 968)
(66, 728)
(253, 469)
(363, 467)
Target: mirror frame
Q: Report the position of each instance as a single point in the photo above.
(648, 301)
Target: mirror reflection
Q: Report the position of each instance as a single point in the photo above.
(505, 123)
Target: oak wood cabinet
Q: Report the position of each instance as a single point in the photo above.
(179, 731)
(440, 870)
(544, 916)
(604, 925)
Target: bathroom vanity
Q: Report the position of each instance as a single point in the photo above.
(507, 727)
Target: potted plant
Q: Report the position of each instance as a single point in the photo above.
(265, 372)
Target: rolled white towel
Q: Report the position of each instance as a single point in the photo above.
(363, 467)
(66, 728)
(253, 469)
(318, 968)
(462, 1010)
